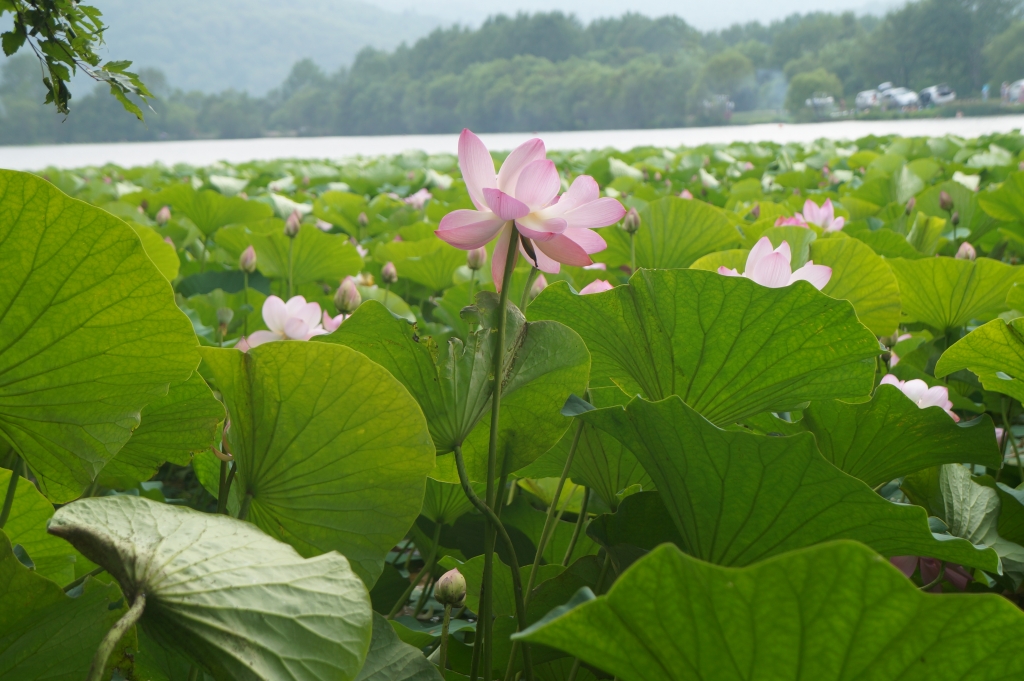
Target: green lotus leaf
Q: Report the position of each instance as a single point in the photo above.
(673, 233)
(546, 362)
(890, 437)
(183, 421)
(729, 347)
(163, 255)
(888, 244)
(91, 334)
(1007, 202)
(734, 258)
(946, 292)
(430, 262)
(209, 210)
(316, 255)
(993, 351)
(738, 498)
(341, 209)
(445, 502)
(860, 276)
(232, 600)
(782, 619)
(44, 633)
(640, 524)
(389, 659)
(26, 527)
(332, 451)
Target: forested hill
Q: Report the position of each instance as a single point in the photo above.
(551, 72)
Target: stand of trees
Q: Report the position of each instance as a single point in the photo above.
(551, 72)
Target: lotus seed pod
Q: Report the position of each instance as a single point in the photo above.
(389, 273)
(476, 258)
(347, 298)
(966, 252)
(247, 261)
(291, 225)
(451, 589)
(225, 315)
(163, 216)
(631, 223)
(945, 201)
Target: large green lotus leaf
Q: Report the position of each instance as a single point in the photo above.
(1007, 202)
(163, 255)
(971, 510)
(242, 605)
(640, 524)
(946, 292)
(734, 258)
(317, 256)
(332, 449)
(993, 351)
(521, 515)
(341, 209)
(26, 526)
(888, 244)
(389, 659)
(862, 277)
(45, 634)
(430, 262)
(738, 498)
(546, 362)
(182, 422)
(445, 502)
(89, 333)
(890, 437)
(673, 233)
(209, 210)
(729, 347)
(832, 612)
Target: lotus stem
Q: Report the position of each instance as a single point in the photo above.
(1009, 436)
(387, 292)
(120, 628)
(245, 302)
(193, 673)
(16, 472)
(82, 579)
(243, 512)
(444, 638)
(529, 285)
(632, 252)
(429, 565)
(517, 583)
(202, 257)
(579, 527)
(291, 265)
(938, 580)
(574, 671)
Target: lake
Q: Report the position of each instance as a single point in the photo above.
(205, 152)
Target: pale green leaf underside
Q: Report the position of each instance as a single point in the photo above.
(90, 333)
(738, 498)
(828, 613)
(333, 450)
(729, 347)
(239, 603)
(993, 351)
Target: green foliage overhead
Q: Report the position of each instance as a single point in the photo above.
(995, 352)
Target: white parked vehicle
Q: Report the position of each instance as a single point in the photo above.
(899, 98)
(866, 99)
(936, 95)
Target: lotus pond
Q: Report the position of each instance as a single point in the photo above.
(728, 412)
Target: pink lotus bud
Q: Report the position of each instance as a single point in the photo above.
(657, 177)
(242, 344)
(910, 205)
(169, 241)
(755, 212)
(163, 216)
(539, 284)
(685, 194)
(247, 261)
(347, 298)
(954, 219)
(363, 220)
(476, 258)
(945, 201)
(389, 273)
(451, 589)
(291, 225)
(631, 223)
(966, 252)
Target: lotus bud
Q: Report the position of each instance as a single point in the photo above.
(389, 273)
(347, 298)
(169, 241)
(910, 205)
(291, 225)
(657, 177)
(539, 284)
(631, 223)
(144, 205)
(755, 212)
(363, 220)
(945, 201)
(163, 216)
(966, 252)
(451, 589)
(476, 258)
(954, 219)
(247, 261)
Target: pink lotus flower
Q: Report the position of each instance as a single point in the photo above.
(796, 221)
(330, 323)
(823, 216)
(957, 575)
(294, 320)
(596, 286)
(685, 194)
(523, 195)
(772, 268)
(894, 359)
(921, 395)
(419, 199)
(597, 266)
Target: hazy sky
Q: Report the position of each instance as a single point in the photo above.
(699, 13)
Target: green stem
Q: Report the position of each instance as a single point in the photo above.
(938, 580)
(227, 476)
(243, 512)
(429, 565)
(1010, 437)
(579, 527)
(472, 292)
(529, 285)
(444, 638)
(574, 671)
(120, 628)
(387, 292)
(206, 252)
(604, 572)
(291, 265)
(12, 487)
(517, 584)
(245, 302)
(632, 252)
(193, 673)
(81, 579)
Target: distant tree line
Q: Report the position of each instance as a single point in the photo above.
(551, 72)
